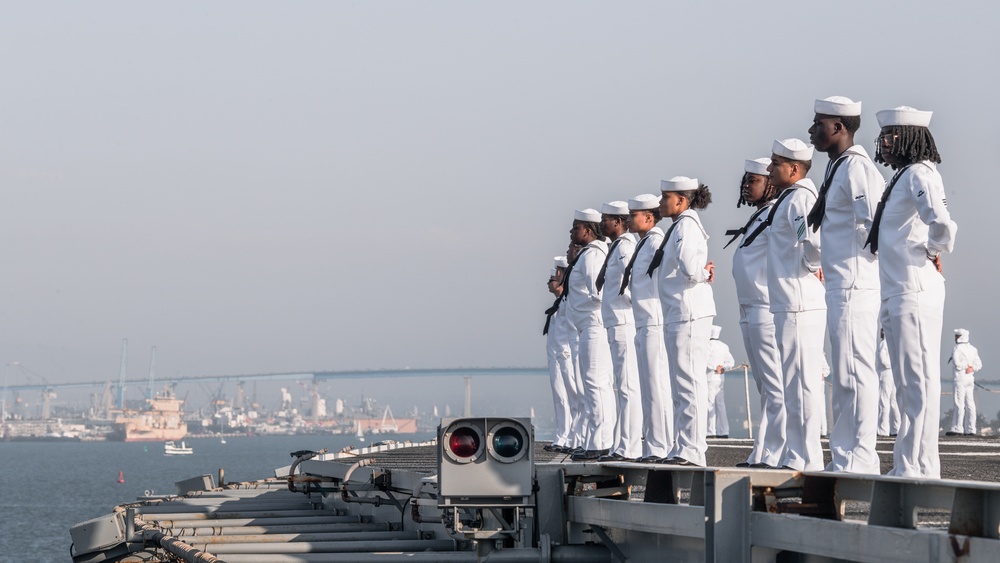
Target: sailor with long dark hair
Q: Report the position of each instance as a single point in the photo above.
(684, 273)
(756, 319)
(912, 227)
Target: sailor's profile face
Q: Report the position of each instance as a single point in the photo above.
(822, 132)
(781, 172)
(884, 143)
(577, 234)
(672, 204)
(753, 188)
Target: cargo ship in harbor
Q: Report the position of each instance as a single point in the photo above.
(162, 420)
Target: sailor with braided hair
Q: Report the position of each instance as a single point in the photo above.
(756, 319)
(912, 227)
(845, 208)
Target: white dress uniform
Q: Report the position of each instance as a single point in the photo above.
(757, 326)
(799, 307)
(888, 412)
(915, 224)
(560, 378)
(718, 355)
(578, 407)
(616, 311)
(963, 357)
(584, 302)
(688, 308)
(850, 274)
(654, 379)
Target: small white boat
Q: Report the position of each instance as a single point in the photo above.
(170, 448)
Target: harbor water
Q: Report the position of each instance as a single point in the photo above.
(46, 487)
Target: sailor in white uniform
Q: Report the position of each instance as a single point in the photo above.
(720, 360)
(616, 311)
(845, 208)
(584, 300)
(578, 427)
(912, 227)
(797, 300)
(888, 411)
(654, 378)
(684, 271)
(965, 361)
(560, 362)
(756, 319)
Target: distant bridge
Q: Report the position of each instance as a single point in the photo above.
(314, 375)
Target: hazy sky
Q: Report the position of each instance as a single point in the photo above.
(259, 187)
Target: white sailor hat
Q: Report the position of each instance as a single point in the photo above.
(961, 332)
(792, 149)
(552, 273)
(757, 166)
(614, 208)
(587, 215)
(562, 262)
(679, 184)
(716, 331)
(644, 202)
(904, 115)
(837, 105)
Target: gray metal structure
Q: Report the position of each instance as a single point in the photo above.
(383, 504)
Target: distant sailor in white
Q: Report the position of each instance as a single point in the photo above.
(888, 411)
(584, 300)
(616, 311)
(912, 227)
(720, 360)
(965, 361)
(794, 281)
(560, 361)
(756, 319)
(844, 209)
(684, 271)
(654, 378)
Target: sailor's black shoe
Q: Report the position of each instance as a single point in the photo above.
(679, 461)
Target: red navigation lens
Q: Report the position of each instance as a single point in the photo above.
(464, 442)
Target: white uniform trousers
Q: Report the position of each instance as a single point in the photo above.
(965, 405)
(654, 390)
(800, 342)
(888, 412)
(718, 420)
(852, 321)
(628, 428)
(579, 431)
(598, 388)
(687, 356)
(912, 323)
(560, 360)
(757, 325)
